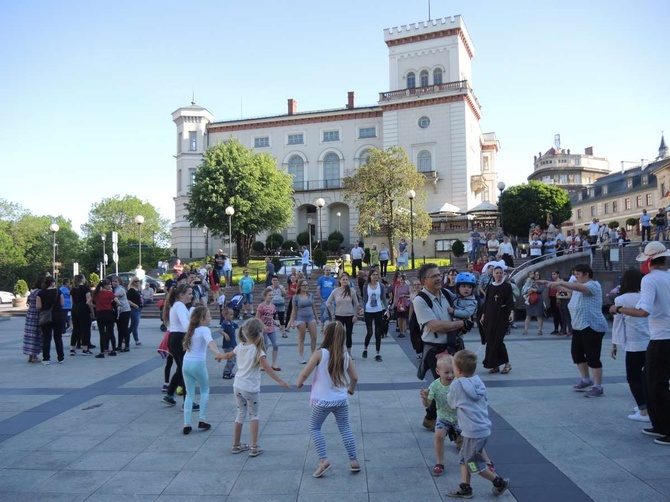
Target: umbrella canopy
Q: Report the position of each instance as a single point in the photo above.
(446, 210)
(484, 207)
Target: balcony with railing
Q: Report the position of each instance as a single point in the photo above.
(306, 186)
(459, 87)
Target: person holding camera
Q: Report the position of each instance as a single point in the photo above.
(498, 314)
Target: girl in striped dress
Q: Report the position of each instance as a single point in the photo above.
(329, 394)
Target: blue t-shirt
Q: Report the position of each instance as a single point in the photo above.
(229, 328)
(66, 297)
(246, 284)
(327, 284)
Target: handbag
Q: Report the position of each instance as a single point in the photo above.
(46, 316)
(533, 298)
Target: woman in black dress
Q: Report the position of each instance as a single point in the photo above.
(495, 321)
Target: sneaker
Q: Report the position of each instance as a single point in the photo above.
(100, 356)
(165, 387)
(227, 376)
(365, 354)
(464, 492)
(204, 425)
(138, 343)
(638, 417)
(378, 358)
(112, 353)
(665, 441)
(169, 400)
(73, 352)
(91, 347)
(555, 332)
(401, 335)
(61, 361)
(46, 363)
(652, 432)
(499, 490)
(302, 360)
(86, 353)
(582, 386)
(595, 392)
(196, 407)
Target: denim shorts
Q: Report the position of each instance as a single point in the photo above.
(443, 423)
(248, 298)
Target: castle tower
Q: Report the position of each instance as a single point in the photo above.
(192, 141)
(663, 150)
(432, 112)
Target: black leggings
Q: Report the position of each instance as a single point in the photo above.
(106, 328)
(81, 325)
(348, 323)
(586, 347)
(383, 267)
(377, 318)
(168, 367)
(177, 350)
(634, 376)
(555, 313)
(123, 328)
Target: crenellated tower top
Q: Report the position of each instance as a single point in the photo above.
(427, 30)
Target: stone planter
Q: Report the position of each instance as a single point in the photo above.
(21, 301)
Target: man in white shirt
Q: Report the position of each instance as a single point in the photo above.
(357, 254)
(535, 248)
(305, 261)
(645, 222)
(594, 226)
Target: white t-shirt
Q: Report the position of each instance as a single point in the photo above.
(201, 338)
(248, 375)
(374, 303)
(179, 318)
(654, 300)
(221, 301)
(305, 257)
(538, 250)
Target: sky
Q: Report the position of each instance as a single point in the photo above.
(87, 88)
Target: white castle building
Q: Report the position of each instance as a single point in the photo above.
(429, 109)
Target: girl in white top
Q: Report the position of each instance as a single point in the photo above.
(247, 385)
(176, 318)
(329, 394)
(633, 334)
(198, 337)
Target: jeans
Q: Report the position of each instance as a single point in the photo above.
(325, 313)
(195, 371)
(135, 322)
(661, 230)
(123, 328)
(230, 363)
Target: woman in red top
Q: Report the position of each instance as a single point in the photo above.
(103, 298)
(292, 281)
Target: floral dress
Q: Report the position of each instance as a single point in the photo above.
(32, 334)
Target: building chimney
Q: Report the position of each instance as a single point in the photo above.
(350, 100)
(588, 151)
(292, 107)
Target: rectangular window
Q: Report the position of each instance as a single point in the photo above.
(263, 142)
(649, 199)
(629, 183)
(604, 189)
(580, 196)
(579, 214)
(367, 132)
(645, 179)
(331, 136)
(607, 208)
(638, 201)
(564, 179)
(615, 206)
(444, 244)
(626, 203)
(191, 177)
(179, 142)
(593, 210)
(179, 180)
(296, 139)
(192, 141)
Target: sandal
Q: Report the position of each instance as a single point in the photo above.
(255, 451)
(438, 470)
(354, 466)
(506, 369)
(539, 333)
(239, 448)
(494, 370)
(323, 467)
(276, 368)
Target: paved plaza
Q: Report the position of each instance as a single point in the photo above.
(96, 430)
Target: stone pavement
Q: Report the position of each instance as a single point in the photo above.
(96, 430)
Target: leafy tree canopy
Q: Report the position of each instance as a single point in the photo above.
(232, 175)
(379, 189)
(529, 203)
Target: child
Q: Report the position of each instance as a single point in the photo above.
(447, 421)
(462, 306)
(247, 385)
(198, 337)
(266, 313)
(221, 301)
(329, 394)
(228, 328)
(468, 396)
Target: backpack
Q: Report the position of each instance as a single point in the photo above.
(416, 330)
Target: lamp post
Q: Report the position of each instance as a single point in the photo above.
(309, 234)
(339, 228)
(230, 211)
(139, 219)
(104, 256)
(410, 195)
(54, 228)
(205, 233)
(320, 203)
(501, 187)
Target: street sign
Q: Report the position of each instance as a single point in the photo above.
(115, 247)
(106, 258)
(115, 257)
(115, 237)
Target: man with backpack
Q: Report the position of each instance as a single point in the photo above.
(431, 308)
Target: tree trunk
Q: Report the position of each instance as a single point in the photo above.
(244, 243)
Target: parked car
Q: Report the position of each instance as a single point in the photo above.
(6, 297)
(289, 263)
(156, 284)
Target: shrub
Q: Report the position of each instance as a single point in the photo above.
(458, 248)
(288, 245)
(631, 222)
(320, 257)
(336, 236)
(258, 246)
(303, 238)
(333, 245)
(274, 241)
(613, 224)
(21, 288)
(277, 263)
(94, 279)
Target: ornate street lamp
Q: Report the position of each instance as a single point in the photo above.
(320, 203)
(230, 211)
(411, 194)
(54, 228)
(139, 219)
(501, 187)
(339, 228)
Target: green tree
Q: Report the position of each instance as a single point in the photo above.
(529, 203)
(379, 189)
(232, 175)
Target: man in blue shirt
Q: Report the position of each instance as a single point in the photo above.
(324, 287)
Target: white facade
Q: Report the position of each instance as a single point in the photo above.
(430, 111)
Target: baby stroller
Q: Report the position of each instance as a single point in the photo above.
(236, 303)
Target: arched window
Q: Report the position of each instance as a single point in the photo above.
(296, 168)
(331, 171)
(411, 80)
(425, 161)
(437, 76)
(363, 158)
(424, 78)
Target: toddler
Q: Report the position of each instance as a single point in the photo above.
(228, 328)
